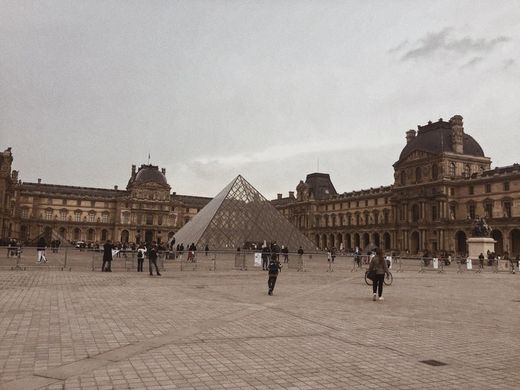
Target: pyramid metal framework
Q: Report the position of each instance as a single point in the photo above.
(237, 216)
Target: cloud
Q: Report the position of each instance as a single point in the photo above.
(508, 63)
(398, 47)
(443, 42)
(428, 45)
(282, 152)
(472, 63)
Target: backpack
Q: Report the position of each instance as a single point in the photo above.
(273, 267)
(139, 254)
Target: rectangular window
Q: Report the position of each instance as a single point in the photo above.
(471, 190)
(488, 209)
(92, 203)
(434, 213)
(77, 216)
(63, 215)
(471, 210)
(92, 217)
(25, 213)
(375, 201)
(453, 214)
(149, 219)
(48, 214)
(78, 202)
(64, 202)
(366, 202)
(507, 210)
(452, 191)
(104, 218)
(506, 186)
(488, 188)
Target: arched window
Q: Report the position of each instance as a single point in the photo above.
(418, 174)
(453, 169)
(467, 170)
(435, 171)
(403, 178)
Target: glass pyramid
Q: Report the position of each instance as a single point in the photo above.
(240, 216)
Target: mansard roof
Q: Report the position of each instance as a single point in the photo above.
(436, 138)
(71, 190)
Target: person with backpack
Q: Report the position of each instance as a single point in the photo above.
(378, 264)
(141, 250)
(273, 268)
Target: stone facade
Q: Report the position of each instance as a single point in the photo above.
(442, 182)
(145, 211)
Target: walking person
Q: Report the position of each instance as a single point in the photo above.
(141, 250)
(40, 248)
(107, 257)
(285, 252)
(273, 268)
(378, 264)
(152, 259)
(300, 259)
(265, 257)
(480, 262)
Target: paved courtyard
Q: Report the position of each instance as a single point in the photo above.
(220, 330)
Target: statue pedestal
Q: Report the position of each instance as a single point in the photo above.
(478, 245)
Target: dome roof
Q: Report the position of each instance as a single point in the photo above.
(150, 174)
(436, 138)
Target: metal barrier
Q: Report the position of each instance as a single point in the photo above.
(68, 258)
(436, 265)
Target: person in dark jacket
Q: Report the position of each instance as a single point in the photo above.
(273, 268)
(378, 264)
(107, 257)
(152, 259)
(41, 245)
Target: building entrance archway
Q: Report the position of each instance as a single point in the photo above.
(148, 236)
(515, 242)
(499, 245)
(461, 243)
(414, 243)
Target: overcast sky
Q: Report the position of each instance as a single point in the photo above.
(213, 89)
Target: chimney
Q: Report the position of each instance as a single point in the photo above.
(291, 194)
(39, 181)
(457, 134)
(278, 196)
(115, 187)
(410, 135)
(163, 170)
(14, 175)
(133, 170)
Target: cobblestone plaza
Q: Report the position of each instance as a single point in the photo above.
(220, 330)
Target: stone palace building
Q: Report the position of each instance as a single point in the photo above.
(442, 182)
(145, 211)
